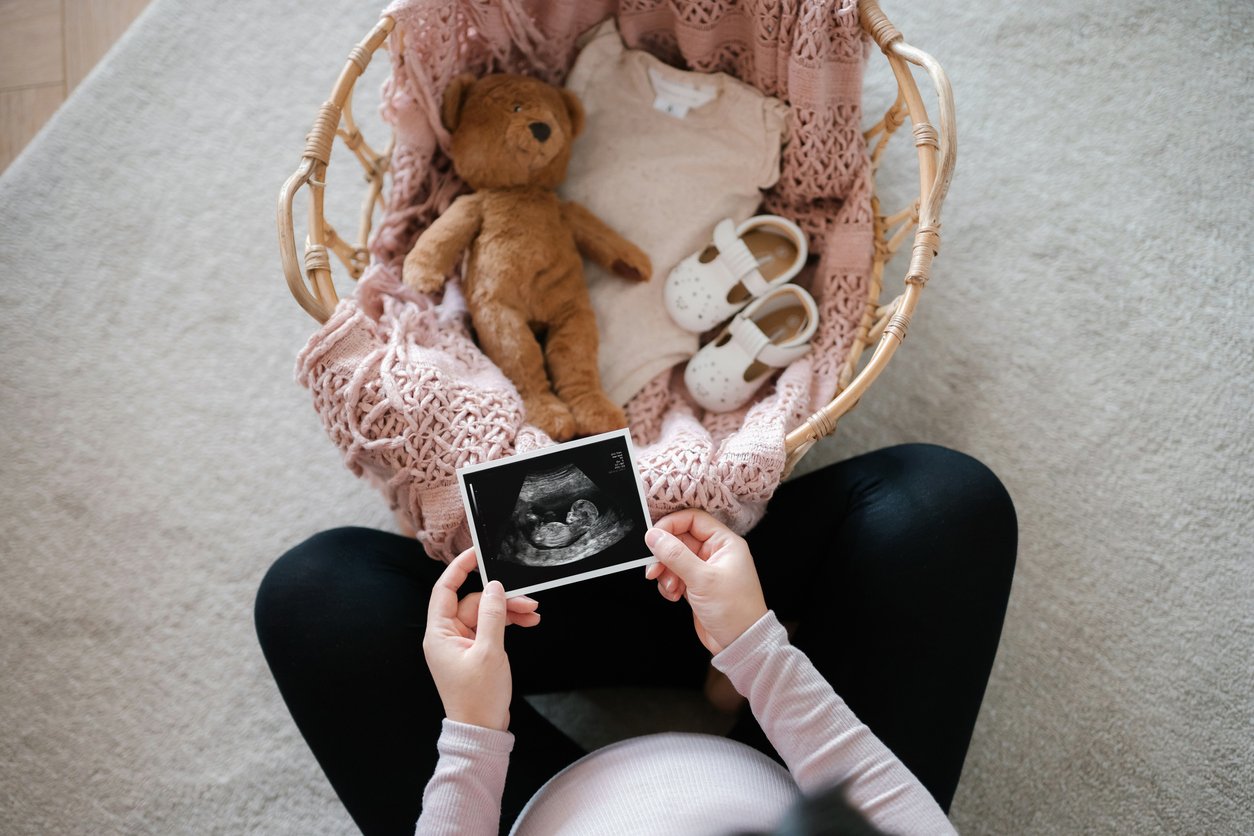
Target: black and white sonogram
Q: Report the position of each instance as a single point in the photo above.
(558, 515)
(561, 516)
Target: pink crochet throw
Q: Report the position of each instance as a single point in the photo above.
(395, 375)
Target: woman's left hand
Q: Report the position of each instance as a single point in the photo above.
(465, 645)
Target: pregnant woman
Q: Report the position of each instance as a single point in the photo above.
(890, 570)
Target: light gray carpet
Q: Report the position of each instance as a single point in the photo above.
(1087, 334)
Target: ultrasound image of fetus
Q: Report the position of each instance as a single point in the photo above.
(555, 535)
(561, 516)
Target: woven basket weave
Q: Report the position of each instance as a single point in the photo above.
(879, 329)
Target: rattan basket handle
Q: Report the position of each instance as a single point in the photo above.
(321, 300)
(937, 152)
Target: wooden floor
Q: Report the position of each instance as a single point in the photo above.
(46, 48)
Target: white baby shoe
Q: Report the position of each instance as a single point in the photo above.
(768, 334)
(743, 263)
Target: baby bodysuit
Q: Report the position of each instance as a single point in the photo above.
(665, 155)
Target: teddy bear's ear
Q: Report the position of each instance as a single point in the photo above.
(575, 108)
(454, 98)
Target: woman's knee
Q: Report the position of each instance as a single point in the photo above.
(305, 577)
(954, 477)
(936, 488)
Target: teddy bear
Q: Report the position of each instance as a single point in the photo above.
(510, 141)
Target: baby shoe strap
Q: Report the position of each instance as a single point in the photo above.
(758, 346)
(738, 259)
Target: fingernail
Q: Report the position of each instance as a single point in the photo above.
(652, 536)
(526, 599)
(495, 588)
(670, 586)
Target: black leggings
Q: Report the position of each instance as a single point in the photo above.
(895, 566)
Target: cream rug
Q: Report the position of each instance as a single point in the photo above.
(1087, 334)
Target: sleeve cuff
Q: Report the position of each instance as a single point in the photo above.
(463, 738)
(750, 650)
(775, 127)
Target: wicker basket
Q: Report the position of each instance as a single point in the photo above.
(883, 327)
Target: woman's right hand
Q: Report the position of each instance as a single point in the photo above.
(714, 565)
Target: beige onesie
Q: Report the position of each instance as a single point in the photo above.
(665, 155)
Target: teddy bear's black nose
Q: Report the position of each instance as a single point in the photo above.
(540, 130)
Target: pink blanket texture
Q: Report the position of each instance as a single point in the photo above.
(397, 379)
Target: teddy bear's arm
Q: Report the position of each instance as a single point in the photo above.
(596, 241)
(440, 247)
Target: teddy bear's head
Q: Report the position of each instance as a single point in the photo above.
(510, 130)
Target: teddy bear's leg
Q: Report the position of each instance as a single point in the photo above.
(506, 338)
(571, 352)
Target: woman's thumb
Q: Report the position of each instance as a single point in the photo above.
(492, 615)
(673, 553)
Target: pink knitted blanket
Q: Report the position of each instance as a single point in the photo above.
(396, 378)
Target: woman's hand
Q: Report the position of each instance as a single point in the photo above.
(707, 563)
(465, 645)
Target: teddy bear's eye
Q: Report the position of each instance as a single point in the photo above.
(517, 107)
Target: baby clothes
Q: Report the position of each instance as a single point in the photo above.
(665, 154)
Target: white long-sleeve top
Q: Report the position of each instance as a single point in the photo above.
(688, 783)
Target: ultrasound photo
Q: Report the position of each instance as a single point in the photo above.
(558, 515)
